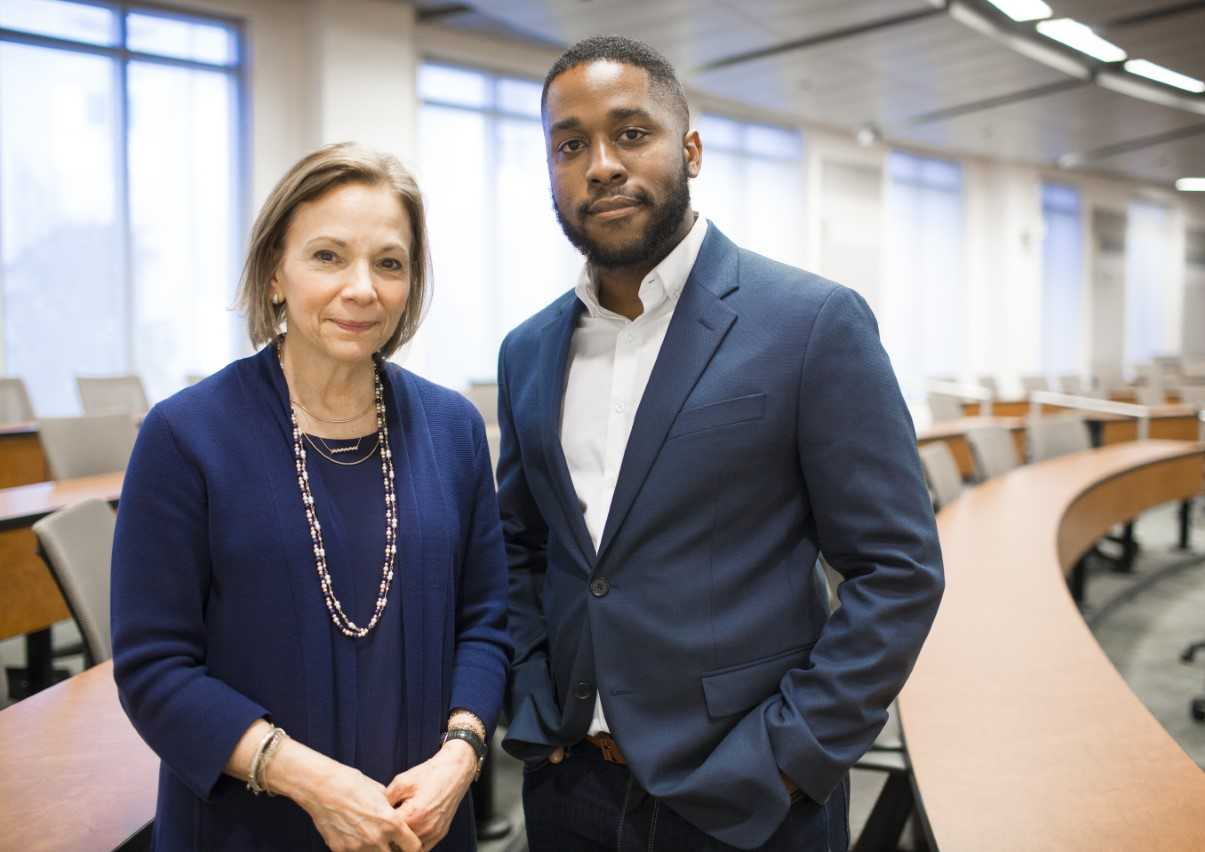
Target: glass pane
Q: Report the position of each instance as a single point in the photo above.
(1062, 276)
(453, 85)
(520, 96)
(1058, 197)
(718, 132)
(1149, 279)
(534, 261)
(773, 141)
(63, 301)
(184, 240)
(455, 177)
(75, 21)
(923, 299)
(181, 38)
(717, 193)
(775, 210)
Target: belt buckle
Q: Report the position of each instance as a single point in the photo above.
(609, 748)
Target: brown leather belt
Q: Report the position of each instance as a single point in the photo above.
(605, 743)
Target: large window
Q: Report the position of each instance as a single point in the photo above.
(498, 253)
(119, 202)
(924, 312)
(1150, 278)
(1062, 279)
(751, 185)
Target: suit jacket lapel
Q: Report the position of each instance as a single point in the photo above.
(554, 352)
(700, 322)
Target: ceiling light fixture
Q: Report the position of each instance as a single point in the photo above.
(1023, 10)
(1191, 184)
(1081, 37)
(1159, 74)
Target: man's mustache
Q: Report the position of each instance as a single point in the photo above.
(640, 196)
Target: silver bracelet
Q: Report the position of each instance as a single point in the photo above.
(252, 776)
(278, 738)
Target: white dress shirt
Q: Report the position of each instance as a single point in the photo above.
(610, 361)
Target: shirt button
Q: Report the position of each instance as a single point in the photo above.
(599, 587)
(619, 408)
(583, 690)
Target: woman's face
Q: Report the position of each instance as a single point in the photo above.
(344, 273)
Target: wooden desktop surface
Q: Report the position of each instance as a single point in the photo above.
(76, 776)
(1020, 732)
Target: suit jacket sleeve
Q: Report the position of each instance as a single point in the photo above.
(160, 583)
(531, 704)
(482, 645)
(874, 523)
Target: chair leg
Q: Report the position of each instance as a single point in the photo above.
(1129, 549)
(1185, 523)
(886, 822)
(39, 671)
(1079, 580)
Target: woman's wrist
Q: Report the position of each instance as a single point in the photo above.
(297, 772)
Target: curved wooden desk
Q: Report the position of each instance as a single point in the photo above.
(76, 774)
(1021, 733)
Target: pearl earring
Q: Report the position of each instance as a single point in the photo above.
(276, 298)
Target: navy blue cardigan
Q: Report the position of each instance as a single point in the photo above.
(217, 614)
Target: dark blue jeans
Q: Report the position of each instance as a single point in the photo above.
(585, 804)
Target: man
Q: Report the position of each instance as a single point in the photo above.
(681, 436)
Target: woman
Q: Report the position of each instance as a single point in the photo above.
(308, 572)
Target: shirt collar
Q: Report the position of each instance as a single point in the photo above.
(663, 283)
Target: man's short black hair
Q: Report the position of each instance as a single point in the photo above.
(662, 79)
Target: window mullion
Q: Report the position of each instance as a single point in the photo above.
(125, 223)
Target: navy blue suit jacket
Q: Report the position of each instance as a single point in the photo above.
(772, 429)
(217, 614)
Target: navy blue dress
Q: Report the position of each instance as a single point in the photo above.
(218, 618)
(368, 671)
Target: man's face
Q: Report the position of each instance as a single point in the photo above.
(619, 161)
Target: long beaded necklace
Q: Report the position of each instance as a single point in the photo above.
(342, 621)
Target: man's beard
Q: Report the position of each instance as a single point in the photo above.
(654, 243)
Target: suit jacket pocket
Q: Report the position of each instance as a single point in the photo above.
(736, 689)
(722, 413)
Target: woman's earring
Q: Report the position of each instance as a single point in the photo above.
(276, 298)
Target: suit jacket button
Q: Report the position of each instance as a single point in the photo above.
(583, 690)
(599, 587)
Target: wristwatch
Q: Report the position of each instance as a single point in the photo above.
(470, 737)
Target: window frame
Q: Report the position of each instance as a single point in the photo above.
(122, 56)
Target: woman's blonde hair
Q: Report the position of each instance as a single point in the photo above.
(312, 177)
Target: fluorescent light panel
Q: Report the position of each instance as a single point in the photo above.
(1159, 74)
(1191, 184)
(1023, 10)
(1081, 37)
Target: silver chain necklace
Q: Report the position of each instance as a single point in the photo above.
(342, 621)
(330, 458)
